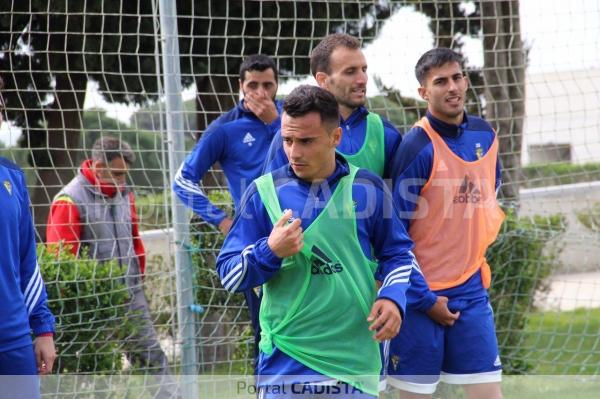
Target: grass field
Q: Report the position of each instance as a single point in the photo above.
(564, 343)
(563, 346)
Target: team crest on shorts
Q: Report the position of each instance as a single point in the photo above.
(8, 186)
(395, 361)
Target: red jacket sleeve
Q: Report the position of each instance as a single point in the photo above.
(64, 225)
(138, 244)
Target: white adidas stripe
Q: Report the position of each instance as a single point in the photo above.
(401, 269)
(396, 277)
(187, 184)
(35, 298)
(33, 287)
(231, 273)
(396, 281)
(234, 278)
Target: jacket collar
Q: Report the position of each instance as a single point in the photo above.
(106, 190)
(357, 116)
(447, 129)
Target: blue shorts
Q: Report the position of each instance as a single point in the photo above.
(466, 353)
(18, 374)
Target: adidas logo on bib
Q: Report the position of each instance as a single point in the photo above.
(467, 193)
(322, 264)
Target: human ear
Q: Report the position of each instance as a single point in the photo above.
(321, 78)
(337, 136)
(423, 93)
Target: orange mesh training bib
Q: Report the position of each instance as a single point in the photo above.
(457, 216)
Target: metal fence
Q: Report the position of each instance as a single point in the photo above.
(155, 73)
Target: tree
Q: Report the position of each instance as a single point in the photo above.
(53, 48)
(215, 35)
(148, 172)
(501, 81)
(504, 77)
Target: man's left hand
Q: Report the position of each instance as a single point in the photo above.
(45, 354)
(262, 106)
(385, 318)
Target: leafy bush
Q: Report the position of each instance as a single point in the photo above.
(153, 210)
(524, 254)
(89, 301)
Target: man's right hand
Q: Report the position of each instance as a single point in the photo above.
(440, 313)
(286, 239)
(262, 106)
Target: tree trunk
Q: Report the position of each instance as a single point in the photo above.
(62, 142)
(216, 95)
(504, 77)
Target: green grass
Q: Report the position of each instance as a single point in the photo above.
(528, 387)
(564, 348)
(564, 342)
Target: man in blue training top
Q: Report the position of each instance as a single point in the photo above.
(368, 141)
(239, 141)
(321, 312)
(23, 296)
(446, 176)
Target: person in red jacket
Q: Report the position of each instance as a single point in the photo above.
(95, 213)
(64, 221)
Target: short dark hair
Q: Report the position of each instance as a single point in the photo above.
(257, 62)
(107, 148)
(306, 98)
(435, 58)
(321, 54)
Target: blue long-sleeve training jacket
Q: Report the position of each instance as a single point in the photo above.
(239, 141)
(246, 261)
(411, 168)
(354, 130)
(23, 306)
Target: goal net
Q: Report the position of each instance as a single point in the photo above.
(76, 71)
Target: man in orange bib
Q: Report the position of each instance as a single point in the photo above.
(446, 175)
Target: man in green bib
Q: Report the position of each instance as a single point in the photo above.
(368, 140)
(313, 233)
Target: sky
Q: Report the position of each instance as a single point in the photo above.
(561, 35)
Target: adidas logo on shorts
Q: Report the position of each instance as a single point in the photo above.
(497, 362)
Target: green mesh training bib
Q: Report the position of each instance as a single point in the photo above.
(371, 155)
(315, 308)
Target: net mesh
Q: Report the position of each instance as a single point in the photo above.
(75, 71)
